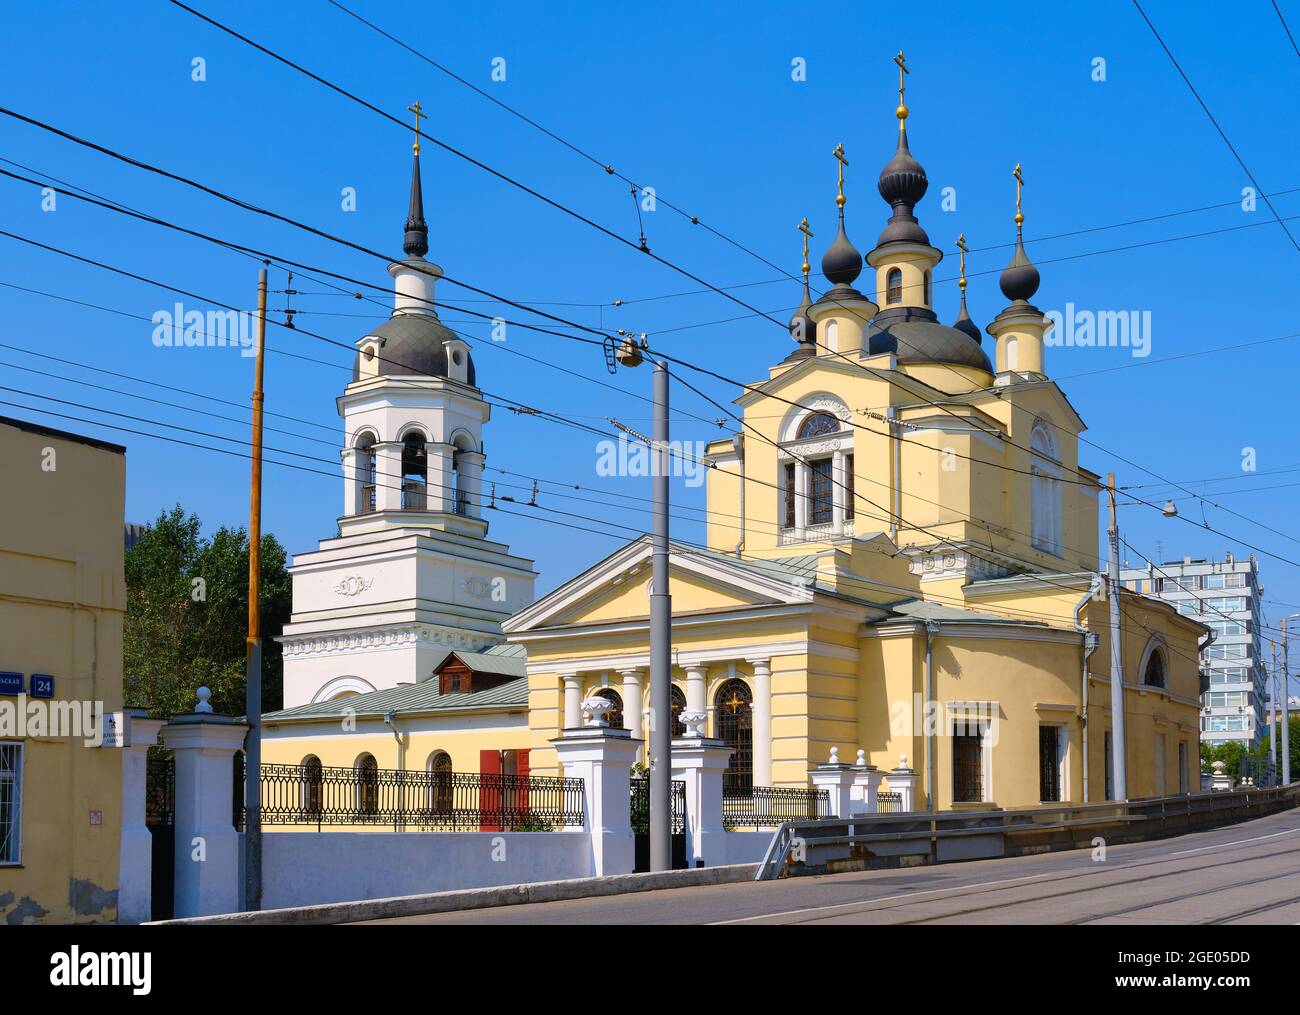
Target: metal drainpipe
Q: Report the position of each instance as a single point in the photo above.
(1089, 646)
(931, 631)
(738, 442)
(896, 456)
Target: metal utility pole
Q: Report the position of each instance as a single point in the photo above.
(253, 656)
(661, 768)
(1273, 705)
(1286, 709)
(1117, 741)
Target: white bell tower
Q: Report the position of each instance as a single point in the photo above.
(411, 575)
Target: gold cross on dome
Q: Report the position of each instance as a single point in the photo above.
(807, 234)
(961, 245)
(901, 60)
(1020, 182)
(419, 115)
(839, 156)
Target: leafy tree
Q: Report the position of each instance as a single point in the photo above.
(187, 616)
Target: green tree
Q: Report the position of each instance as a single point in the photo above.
(187, 616)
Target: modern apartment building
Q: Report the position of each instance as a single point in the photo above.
(1225, 596)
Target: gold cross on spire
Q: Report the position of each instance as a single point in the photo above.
(419, 115)
(961, 245)
(1020, 182)
(839, 155)
(807, 234)
(901, 112)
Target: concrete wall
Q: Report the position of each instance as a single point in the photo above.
(746, 847)
(310, 868)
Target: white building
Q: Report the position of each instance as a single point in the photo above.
(1225, 596)
(411, 575)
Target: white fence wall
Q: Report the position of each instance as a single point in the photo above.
(310, 868)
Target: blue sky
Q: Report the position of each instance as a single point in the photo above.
(698, 102)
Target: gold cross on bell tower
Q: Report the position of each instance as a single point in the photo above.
(1020, 182)
(419, 115)
(839, 156)
(901, 112)
(961, 245)
(807, 235)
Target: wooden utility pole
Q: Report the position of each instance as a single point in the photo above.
(253, 656)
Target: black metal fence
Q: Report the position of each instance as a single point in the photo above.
(640, 789)
(889, 803)
(419, 801)
(769, 806)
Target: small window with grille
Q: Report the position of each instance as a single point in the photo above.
(894, 286)
(11, 801)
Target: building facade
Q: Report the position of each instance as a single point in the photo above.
(1224, 595)
(62, 609)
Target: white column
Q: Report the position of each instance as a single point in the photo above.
(800, 496)
(572, 700)
(388, 476)
(633, 707)
(837, 779)
(696, 689)
(351, 491)
(471, 471)
(902, 780)
(135, 863)
(207, 845)
(837, 490)
(762, 721)
(602, 758)
(438, 476)
(700, 764)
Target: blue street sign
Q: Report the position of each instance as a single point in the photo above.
(42, 685)
(11, 683)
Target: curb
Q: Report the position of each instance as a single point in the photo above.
(475, 898)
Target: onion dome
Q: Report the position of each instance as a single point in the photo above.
(964, 322)
(902, 184)
(1019, 279)
(803, 329)
(842, 263)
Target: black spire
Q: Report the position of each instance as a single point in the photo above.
(416, 241)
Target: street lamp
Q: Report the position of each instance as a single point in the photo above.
(629, 354)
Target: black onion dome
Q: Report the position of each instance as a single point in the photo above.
(1019, 279)
(413, 345)
(914, 335)
(803, 329)
(842, 263)
(965, 324)
(902, 184)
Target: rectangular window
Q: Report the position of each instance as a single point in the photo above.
(788, 480)
(1236, 581)
(11, 803)
(1214, 581)
(848, 487)
(967, 767)
(1049, 768)
(821, 506)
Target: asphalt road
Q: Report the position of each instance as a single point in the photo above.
(1240, 874)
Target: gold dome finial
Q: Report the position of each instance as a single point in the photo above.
(901, 111)
(961, 280)
(839, 156)
(1020, 182)
(419, 115)
(807, 235)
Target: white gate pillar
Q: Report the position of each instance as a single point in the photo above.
(700, 763)
(866, 786)
(207, 845)
(837, 778)
(902, 780)
(135, 864)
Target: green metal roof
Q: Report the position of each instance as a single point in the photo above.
(412, 698)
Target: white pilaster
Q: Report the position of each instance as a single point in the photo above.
(351, 487)
(602, 758)
(700, 764)
(762, 669)
(207, 845)
(438, 471)
(837, 489)
(388, 476)
(800, 496)
(572, 700)
(471, 471)
(135, 863)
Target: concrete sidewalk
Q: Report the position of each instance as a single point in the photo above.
(477, 898)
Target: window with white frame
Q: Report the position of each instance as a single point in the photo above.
(815, 489)
(11, 803)
(1045, 493)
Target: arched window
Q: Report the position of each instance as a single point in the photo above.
(1045, 492)
(614, 717)
(440, 783)
(367, 769)
(733, 721)
(1154, 675)
(365, 473)
(833, 336)
(414, 472)
(894, 286)
(817, 424)
(312, 785)
(678, 705)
